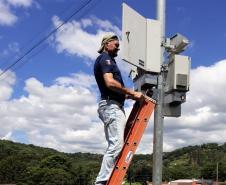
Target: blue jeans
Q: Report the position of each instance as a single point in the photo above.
(113, 117)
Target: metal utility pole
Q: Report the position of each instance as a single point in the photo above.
(167, 78)
(217, 172)
(158, 115)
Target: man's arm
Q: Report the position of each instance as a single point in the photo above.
(114, 85)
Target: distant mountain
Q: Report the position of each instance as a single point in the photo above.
(196, 162)
(32, 165)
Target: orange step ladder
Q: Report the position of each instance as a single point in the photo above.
(135, 126)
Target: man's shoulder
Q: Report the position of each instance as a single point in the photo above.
(103, 57)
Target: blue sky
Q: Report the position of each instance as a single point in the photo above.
(50, 97)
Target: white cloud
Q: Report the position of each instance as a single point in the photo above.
(203, 117)
(79, 79)
(24, 3)
(63, 115)
(7, 136)
(7, 16)
(106, 25)
(6, 83)
(72, 38)
(86, 23)
(12, 49)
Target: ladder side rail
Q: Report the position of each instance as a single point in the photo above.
(130, 122)
(129, 150)
(133, 138)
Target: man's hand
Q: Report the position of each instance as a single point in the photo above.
(138, 96)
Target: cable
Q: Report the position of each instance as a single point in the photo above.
(45, 38)
(30, 42)
(25, 61)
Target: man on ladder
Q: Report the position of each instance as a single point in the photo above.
(111, 111)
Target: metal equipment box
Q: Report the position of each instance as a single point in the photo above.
(141, 40)
(178, 73)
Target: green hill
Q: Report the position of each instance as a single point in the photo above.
(31, 165)
(196, 161)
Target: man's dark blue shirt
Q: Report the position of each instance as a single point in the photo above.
(106, 64)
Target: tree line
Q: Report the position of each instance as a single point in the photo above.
(31, 165)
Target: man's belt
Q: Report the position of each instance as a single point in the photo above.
(111, 99)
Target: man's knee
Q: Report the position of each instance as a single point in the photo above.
(116, 148)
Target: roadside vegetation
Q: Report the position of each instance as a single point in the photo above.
(31, 165)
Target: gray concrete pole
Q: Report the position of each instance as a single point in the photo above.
(217, 173)
(158, 114)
